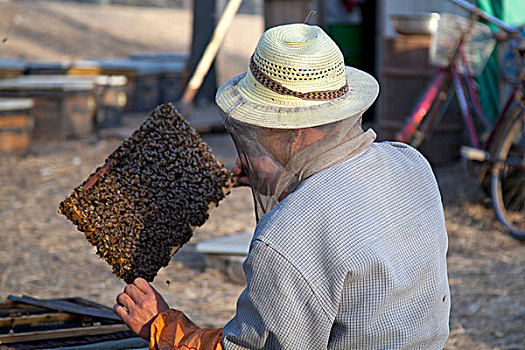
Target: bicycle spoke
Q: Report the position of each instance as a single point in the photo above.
(513, 193)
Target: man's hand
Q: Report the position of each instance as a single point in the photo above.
(266, 173)
(241, 178)
(138, 305)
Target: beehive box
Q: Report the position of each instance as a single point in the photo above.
(172, 72)
(15, 124)
(64, 106)
(111, 99)
(148, 197)
(171, 80)
(142, 88)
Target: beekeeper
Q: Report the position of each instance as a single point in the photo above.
(349, 249)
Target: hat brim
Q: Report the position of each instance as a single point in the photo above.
(363, 91)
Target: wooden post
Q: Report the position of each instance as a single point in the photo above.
(203, 25)
(209, 54)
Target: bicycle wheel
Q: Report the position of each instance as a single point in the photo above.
(508, 175)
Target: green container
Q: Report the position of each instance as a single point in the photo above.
(349, 38)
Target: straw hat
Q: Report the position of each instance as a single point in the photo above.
(297, 79)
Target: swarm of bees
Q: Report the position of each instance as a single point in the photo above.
(153, 190)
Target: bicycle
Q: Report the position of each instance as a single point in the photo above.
(460, 48)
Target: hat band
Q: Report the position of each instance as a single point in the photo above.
(275, 86)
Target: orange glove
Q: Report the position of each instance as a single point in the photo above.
(171, 330)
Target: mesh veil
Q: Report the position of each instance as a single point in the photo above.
(276, 161)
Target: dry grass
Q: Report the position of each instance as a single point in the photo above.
(43, 255)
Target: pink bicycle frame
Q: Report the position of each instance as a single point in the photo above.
(422, 107)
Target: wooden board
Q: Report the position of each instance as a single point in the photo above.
(36, 319)
(62, 333)
(34, 323)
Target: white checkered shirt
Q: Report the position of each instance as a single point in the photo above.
(353, 259)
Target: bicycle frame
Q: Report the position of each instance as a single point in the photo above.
(515, 97)
(468, 101)
(423, 106)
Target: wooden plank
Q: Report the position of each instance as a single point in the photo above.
(10, 73)
(62, 333)
(84, 71)
(14, 307)
(48, 83)
(36, 319)
(15, 105)
(67, 306)
(204, 21)
(85, 302)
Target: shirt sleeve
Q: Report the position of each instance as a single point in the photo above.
(278, 309)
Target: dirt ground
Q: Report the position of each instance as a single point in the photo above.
(43, 255)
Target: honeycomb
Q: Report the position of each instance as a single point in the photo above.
(144, 203)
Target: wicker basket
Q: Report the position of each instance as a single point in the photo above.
(478, 45)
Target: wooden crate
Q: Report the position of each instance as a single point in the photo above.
(64, 106)
(405, 73)
(15, 124)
